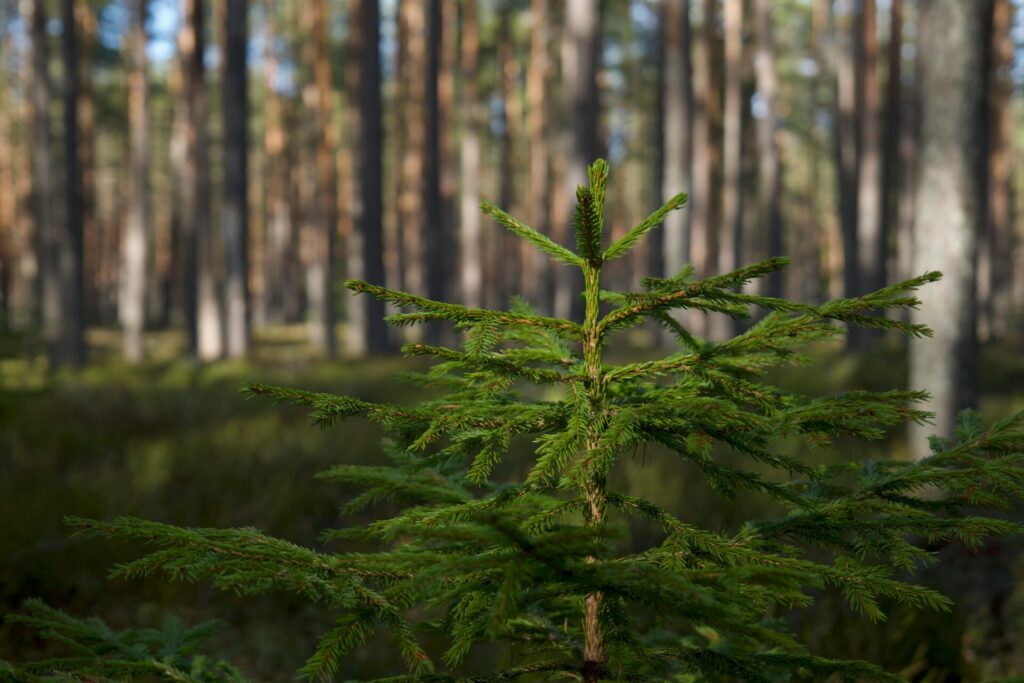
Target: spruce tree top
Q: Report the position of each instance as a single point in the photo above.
(536, 564)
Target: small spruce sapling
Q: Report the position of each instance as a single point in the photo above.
(534, 564)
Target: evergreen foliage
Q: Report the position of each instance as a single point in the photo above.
(537, 564)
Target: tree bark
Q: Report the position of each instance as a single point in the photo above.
(38, 120)
(950, 194)
(470, 243)
(538, 76)
(201, 296)
(846, 146)
(677, 105)
(434, 234)
(871, 242)
(85, 18)
(320, 273)
(996, 257)
(891, 177)
(64, 324)
(706, 151)
(732, 136)
(370, 164)
(235, 209)
(137, 231)
(769, 158)
(581, 49)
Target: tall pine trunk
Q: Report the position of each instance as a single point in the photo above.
(706, 149)
(732, 136)
(871, 249)
(470, 242)
(846, 148)
(769, 168)
(64, 323)
(235, 209)
(137, 229)
(950, 193)
(320, 273)
(370, 170)
(538, 76)
(434, 234)
(581, 50)
(38, 123)
(677, 105)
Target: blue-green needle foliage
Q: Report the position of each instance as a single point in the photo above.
(536, 565)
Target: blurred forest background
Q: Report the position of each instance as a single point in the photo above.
(185, 185)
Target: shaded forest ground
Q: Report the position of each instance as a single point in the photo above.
(177, 442)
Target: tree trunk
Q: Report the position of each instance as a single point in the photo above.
(732, 130)
(871, 242)
(8, 200)
(950, 193)
(38, 120)
(320, 273)
(995, 259)
(434, 234)
(538, 75)
(508, 247)
(581, 49)
(470, 243)
(769, 162)
(279, 229)
(137, 230)
(413, 46)
(202, 303)
(706, 153)
(891, 178)
(370, 155)
(677, 98)
(846, 146)
(63, 320)
(235, 209)
(87, 26)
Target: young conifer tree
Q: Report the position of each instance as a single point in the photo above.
(537, 565)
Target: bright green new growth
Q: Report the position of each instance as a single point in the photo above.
(534, 563)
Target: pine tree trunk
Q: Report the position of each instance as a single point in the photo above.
(891, 179)
(413, 20)
(769, 162)
(370, 170)
(470, 242)
(871, 242)
(63, 321)
(581, 50)
(320, 273)
(732, 129)
(85, 18)
(38, 123)
(995, 278)
(538, 75)
(135, 244)
(8, 200)
(434, 234)
(235, 208)
(706, 152)
(507, 263)
(846, 147)
(202, 303)
(279, 231)
(677, 176)
(950, 193)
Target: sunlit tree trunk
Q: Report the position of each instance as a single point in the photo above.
(137, 230)
(950, 205)
(235, 208)
(581, 49)
(732, 136)
(891, 179)
(995, 267)
(470, 243)
(538, 77)
(769, 159)
(706, 149)
(320, 268)
(434, 234)
(677, 103)
(871, 242)
(202, 302)
(413, 20)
